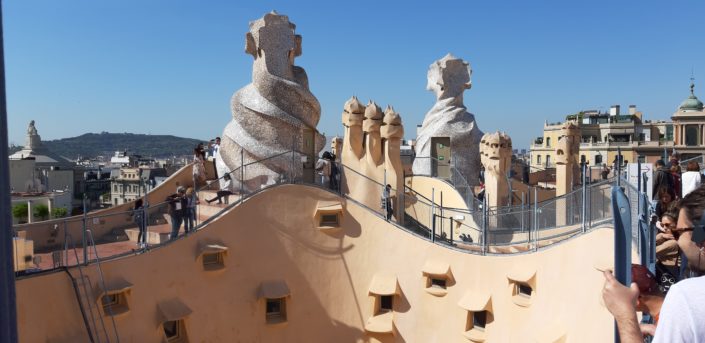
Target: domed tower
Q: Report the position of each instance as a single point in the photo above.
(689, 121)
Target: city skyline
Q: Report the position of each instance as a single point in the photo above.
(164, 68)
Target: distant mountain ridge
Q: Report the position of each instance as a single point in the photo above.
(105, 144)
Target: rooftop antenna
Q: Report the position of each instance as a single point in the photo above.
(692, 80)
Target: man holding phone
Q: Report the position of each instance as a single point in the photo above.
(684, 307)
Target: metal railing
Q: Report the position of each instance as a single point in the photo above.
(480, 230)
(455, 178)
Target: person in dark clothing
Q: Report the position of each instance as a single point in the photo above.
(387, 201)
(334, 173)
(662, 178)
(138, 217)
(177, 209)
(605, 171)
(676, 176)
(666, 197)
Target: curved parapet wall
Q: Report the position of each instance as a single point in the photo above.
(276, 112)
(448, 78)
(331, 281)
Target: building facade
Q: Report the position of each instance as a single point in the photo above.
(605, 135)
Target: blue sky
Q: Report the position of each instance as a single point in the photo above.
(170, 67)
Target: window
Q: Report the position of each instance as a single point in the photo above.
(329, 219)
(211, 259)
(213, 256)
(110, 300)
(548, 142)
(548, 160)
(115, 302)
(691, 135)
(438, 283)
(328, 215)
(479, 320)
(523, 290)
(383, 289)
(386, 303)
(174, 331)
(538, 159)
(598, 159)
(275, 310)
(522, 286)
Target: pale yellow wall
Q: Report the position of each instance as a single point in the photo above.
(272, 237)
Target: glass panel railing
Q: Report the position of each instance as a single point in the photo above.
(510, 229)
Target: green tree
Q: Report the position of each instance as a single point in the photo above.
(59, 212)
(41, 211)
(19, 211)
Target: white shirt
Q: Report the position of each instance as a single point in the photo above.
(690, 181)
(682, 317)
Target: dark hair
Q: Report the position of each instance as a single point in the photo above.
(217, 138)
(226, 176)
(666, 190)
(138, 203)
(693, 204)
(693, 166)
(660, 163)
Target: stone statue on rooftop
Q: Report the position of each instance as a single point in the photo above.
(33, 140)
(448, 78)
(275, 113)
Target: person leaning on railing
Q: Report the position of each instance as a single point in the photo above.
(683, 310)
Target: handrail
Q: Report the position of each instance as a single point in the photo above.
(102, 283)
(496, 221)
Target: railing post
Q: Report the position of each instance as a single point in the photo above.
(85, 247)
(450, 223)
(523, 212)
(242, 172)
(584, 195)
(433, 228)
(484, 224)
(536, 219)
(433, 214)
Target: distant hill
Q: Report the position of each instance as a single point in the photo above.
(105, 144)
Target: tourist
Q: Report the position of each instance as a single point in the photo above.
(676, 174)
(667, 251)
(224, 192)
(666, 196)
(682, 310)
(387, 201)
(199, 168)
(323, 168)
(675, 158)
(692, 178)
(138, 216)
(190, 214)
(215, 151)
(200, 151)
(177, 208)
(662, 178)
(334, 174)
(605, 171)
